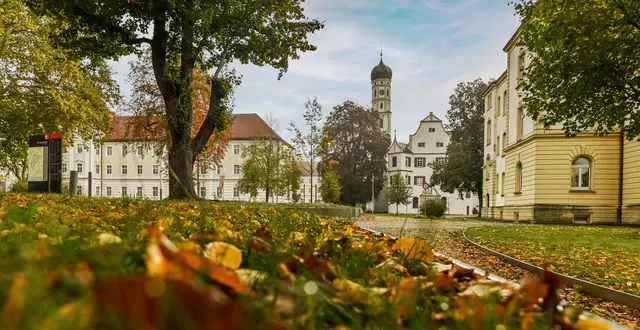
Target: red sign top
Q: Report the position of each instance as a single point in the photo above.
(56, 135)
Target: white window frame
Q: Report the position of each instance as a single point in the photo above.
(124, 170)
(236, 193)
(140, 151)
(79, 148)
(109, 170)
(236, 170)
(97, 169)
(236, 149)
(109, 150)
(139, 170)
(439, 144)
(125, 150)
(155, 191)
(124, 192)
(422, 144)
(64, 168)
(420, 162)
(108, 191)
(156, 169)
(581, 168)
(219, 169)
(407, 161)
(139, 192)
(203, 191)
(79, 167)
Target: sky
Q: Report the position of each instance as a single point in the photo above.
(431, 46)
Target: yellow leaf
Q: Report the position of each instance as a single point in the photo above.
(406, 296)
(414, 249)
(224, 254)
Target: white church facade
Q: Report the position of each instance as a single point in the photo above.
(426, 146)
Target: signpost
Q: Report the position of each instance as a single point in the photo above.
(45, 163)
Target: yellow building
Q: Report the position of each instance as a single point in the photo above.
(538, 175)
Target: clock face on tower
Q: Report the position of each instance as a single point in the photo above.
(382, 93)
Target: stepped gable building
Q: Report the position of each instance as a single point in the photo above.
(427, 145)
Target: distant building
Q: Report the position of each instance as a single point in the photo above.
(426, 146)
(121, 165)
(533, 173)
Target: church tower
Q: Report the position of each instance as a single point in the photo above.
(381, 93)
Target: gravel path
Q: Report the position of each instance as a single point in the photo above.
(446, 237)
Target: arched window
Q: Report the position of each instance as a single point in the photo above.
(488, 132)
(581, 173)
(519, 177)
(381, 106)
(381, 123)
(415, 202)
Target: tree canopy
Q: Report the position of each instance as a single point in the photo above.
(462, 169)
(43, 90)
(585, 63)
(354, 141)
(147, 106)
(182, 34)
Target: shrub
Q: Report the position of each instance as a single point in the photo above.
(432, 208)
(20, 187)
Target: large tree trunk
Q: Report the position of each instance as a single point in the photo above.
(181, 162)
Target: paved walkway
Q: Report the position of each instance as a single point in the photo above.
(393, 225)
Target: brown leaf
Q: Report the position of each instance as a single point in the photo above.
(532, 289)
(459, 272)
(284, 272)
(259, 245)
(321, 268)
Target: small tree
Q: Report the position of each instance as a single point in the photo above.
(397, 192)
(330, 187)
(267, 166)
(308, 144)
(433, 208)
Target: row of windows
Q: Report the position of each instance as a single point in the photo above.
(419, 161)
(580, 176)
(80, 148)
(519, 131)
(124, 169)
(424, 144)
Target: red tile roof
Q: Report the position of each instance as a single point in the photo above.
(246, 126)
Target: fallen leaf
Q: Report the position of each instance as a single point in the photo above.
(224, 254)
(406, 296)
(14, 305)
(414, 249)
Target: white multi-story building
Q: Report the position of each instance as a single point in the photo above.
(120, 165)
(427, 145)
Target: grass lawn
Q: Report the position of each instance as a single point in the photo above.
(608, 256)
(83, 263)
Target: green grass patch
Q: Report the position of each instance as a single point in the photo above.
(608, 256)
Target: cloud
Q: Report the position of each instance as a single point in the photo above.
(431, 45)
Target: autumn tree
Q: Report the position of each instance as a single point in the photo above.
(307, 142)
(462, 168)
(182, 34)
(330, 186)
(149, 114)
(353, 138)
(585, 59)
(43, 90)
(397, 192)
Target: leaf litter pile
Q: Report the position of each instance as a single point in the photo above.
(80, 263)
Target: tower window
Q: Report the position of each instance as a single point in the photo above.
(375, 93)
(381, 106)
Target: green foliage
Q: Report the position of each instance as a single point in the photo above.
(183, 34)
(269, 165)
(397, 192)
(432, 208)
(462, 169)
(584, 65)
(20, 187)
(355, 146)
(330, 187)
(42, 90)
(307, 144)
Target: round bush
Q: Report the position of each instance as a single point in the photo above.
(20, 187)
(432, 208)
